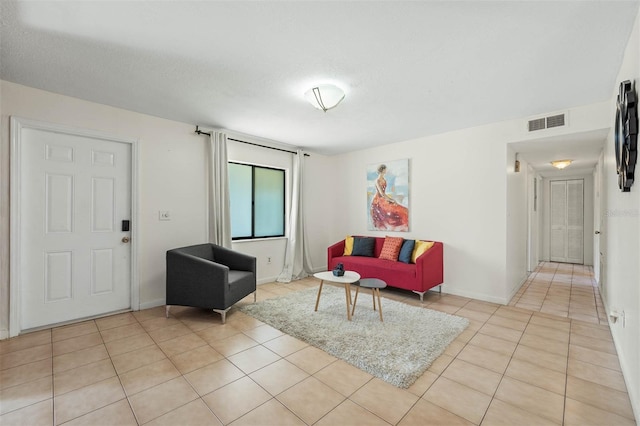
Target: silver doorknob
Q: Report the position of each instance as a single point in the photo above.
(125, 239)
(597, 232)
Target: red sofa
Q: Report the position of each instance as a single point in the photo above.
(425, 274)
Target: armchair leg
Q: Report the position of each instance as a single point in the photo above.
(223, 313)
(421, 294)
(166, 310)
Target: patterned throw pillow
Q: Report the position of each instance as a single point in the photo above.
(391, 248)
(420, 248)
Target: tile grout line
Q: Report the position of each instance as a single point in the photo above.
(571, 322)
(505, 372)
(247, 375)
(182, 375)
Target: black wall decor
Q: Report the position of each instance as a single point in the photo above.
(626, 137)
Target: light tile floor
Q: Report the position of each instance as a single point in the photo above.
(548, 362)
(562, 289)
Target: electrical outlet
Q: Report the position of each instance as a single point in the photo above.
(268, 260)
(164, 215)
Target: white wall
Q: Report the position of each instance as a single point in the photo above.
(588, 214)
(173, 176)
(323, 198)
(172, 168)
(318, 214)
(458, 196)
(263, 249)
(517, 217)
(621, 243)
(533, 220)
(598, 212)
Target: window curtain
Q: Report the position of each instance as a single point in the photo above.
(296, 262)
(219, 212)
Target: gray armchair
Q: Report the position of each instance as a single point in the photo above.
(209, 276)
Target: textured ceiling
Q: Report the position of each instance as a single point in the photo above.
(410, 69)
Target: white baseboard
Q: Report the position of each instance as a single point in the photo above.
(516, 288)
(273, 279)
(151, 304)
(624, 362)
(477, 296)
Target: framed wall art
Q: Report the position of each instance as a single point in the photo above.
(388, 196)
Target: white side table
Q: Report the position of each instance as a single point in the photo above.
(348, 278)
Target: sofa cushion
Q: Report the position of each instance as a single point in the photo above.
(406, 251)
(363, 246)
(391, 248)
(348, 246)
(420, 248)
(395, 274)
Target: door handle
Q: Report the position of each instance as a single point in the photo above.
(125, 239)
(597, 232)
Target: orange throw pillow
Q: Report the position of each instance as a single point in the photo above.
(391, 248)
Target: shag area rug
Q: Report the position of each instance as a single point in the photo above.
(397, 350)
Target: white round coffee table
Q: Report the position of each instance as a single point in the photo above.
(348, 278)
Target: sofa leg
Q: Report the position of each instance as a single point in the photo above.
(223, 313)
(166, 310)
(421, 294)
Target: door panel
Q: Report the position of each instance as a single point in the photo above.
(558, 221)
(57, 276)
(74, 192)
(567, 221)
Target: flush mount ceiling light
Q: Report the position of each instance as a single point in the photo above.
(324, 96)
(561, 164)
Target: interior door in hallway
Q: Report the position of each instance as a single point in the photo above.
(75, 256)
(567, 221)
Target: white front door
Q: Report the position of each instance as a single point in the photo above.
(567, 221)
(75, 259)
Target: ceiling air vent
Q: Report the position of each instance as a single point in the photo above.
(555, 121)
(537, 124)
(549, 122)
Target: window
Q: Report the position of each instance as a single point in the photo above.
(257, 201)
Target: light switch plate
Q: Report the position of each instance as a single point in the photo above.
(164, 215)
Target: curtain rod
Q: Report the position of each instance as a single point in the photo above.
(200, 132)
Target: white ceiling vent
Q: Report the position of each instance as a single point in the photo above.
(557, 120)
(537, 124)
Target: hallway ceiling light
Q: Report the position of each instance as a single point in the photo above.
(324, 96)
(561, 164)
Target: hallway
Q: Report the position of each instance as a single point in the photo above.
(562, 289)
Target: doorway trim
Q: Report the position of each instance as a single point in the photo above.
(17, 124)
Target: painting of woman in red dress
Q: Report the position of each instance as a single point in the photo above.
(387, 213)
